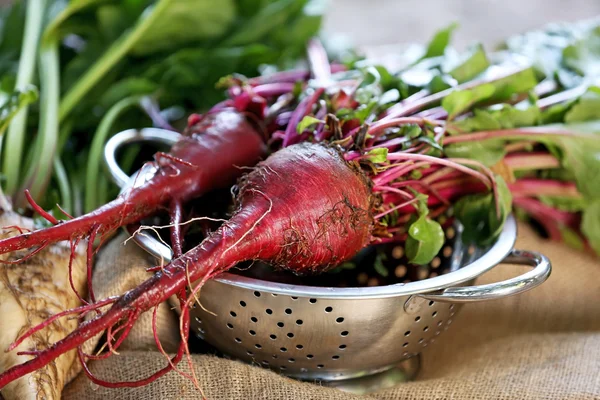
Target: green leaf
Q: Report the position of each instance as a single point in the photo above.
(461, 101)
(590, 225)
(308, 122)
(571, 238)
(425, 236)
(378, 155)
(290, 38)
(348, 265)
(425, 240)
(583, 56)
(439, 82)
(477, 213)
(543, 47)
(513, 117)
(12, 26)
(411, 131)
(469, 65)
(586, 108)
(579, 155)
(379, 266)
(565, 203)
(440, 41)
(370, 89)
(487, 152)
(267, 18)
(582, 157)
(520, 82)
(185, 22)
(390, 96)
(482, 120)
(15, 102)
(388, 81)
(498, 117)
(365, 110)
(16, 134)
(132, 86)
(188, 75)
(561, 50)
(95, 156)
(417, 77)
(431, 142)
(556, 113)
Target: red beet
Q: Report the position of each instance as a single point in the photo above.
(304, 209)
(207, 157)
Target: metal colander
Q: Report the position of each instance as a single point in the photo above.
(337, 333)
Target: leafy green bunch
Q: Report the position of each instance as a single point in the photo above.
(105, 65)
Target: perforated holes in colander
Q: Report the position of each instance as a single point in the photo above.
(270, 335)
(451, 308)
(398, 252)
(201, 330)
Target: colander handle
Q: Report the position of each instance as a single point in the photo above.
(152, 135)
(540, 272)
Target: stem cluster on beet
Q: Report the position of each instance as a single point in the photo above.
(362, 172)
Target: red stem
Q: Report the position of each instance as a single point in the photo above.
(71, 258)
(176, 239)
(291, 136)
(290, 76)
(545, 87)
(381, 125)
(64, 212)
(543, 187)
(409, 108)
(27, 257)
(319, 64)
(39, 209)
(394, 110)
(509, 134)
(531, 161)
(273, 89)
(37, 328)
(544, 212)
(397, 172)
(89, 261)
(433, 113)
(561, 97)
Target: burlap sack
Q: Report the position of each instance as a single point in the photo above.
(544, 344)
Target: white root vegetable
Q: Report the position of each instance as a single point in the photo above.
(30, 292)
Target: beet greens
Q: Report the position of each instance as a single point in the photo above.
(520, 120)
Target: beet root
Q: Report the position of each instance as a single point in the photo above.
(207, 157)
(304, 209)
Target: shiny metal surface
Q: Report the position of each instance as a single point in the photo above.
(522, 283)
(405, 371)
(124, 181)
(332, 334)
(115, 143)
(336, 337)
